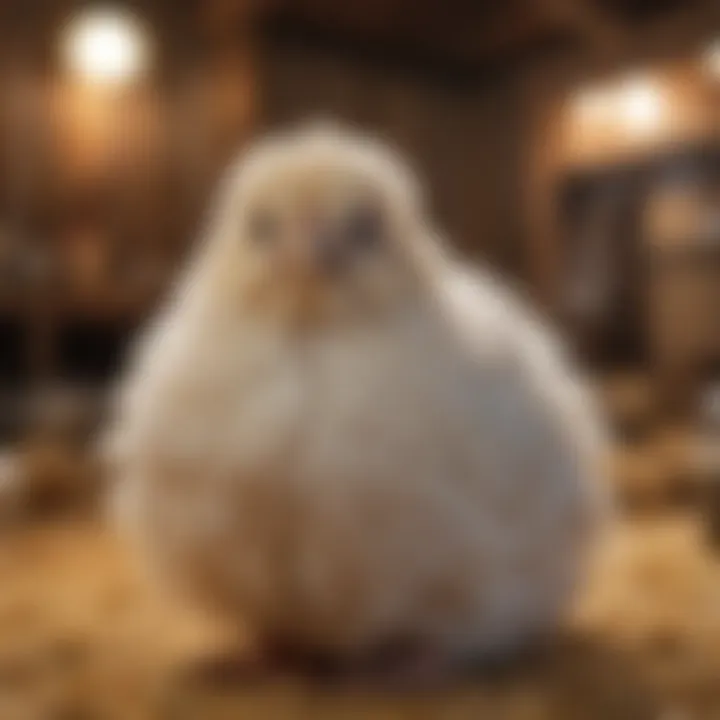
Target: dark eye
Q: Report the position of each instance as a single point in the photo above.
(263, 227)
(364, 226)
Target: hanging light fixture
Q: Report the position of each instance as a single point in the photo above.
(105, 45)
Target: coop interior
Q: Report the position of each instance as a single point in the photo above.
(571, 145)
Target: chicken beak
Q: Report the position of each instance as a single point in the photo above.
(316, 256)
(328, 255)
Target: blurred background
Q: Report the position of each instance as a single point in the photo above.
(574, 145)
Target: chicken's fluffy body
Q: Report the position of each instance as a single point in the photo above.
(421, 467)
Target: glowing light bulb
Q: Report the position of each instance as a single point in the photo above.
(641, 106)
(105, 45)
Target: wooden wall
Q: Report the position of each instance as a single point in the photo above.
(102, 187)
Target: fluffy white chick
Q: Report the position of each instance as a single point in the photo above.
(342, 438)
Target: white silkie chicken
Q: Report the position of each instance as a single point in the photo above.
(342, 438)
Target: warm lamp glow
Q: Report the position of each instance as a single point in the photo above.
(712, 59)
(105, 45)
(634, 106)
(641, 106)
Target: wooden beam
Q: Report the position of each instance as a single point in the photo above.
(606, 33)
